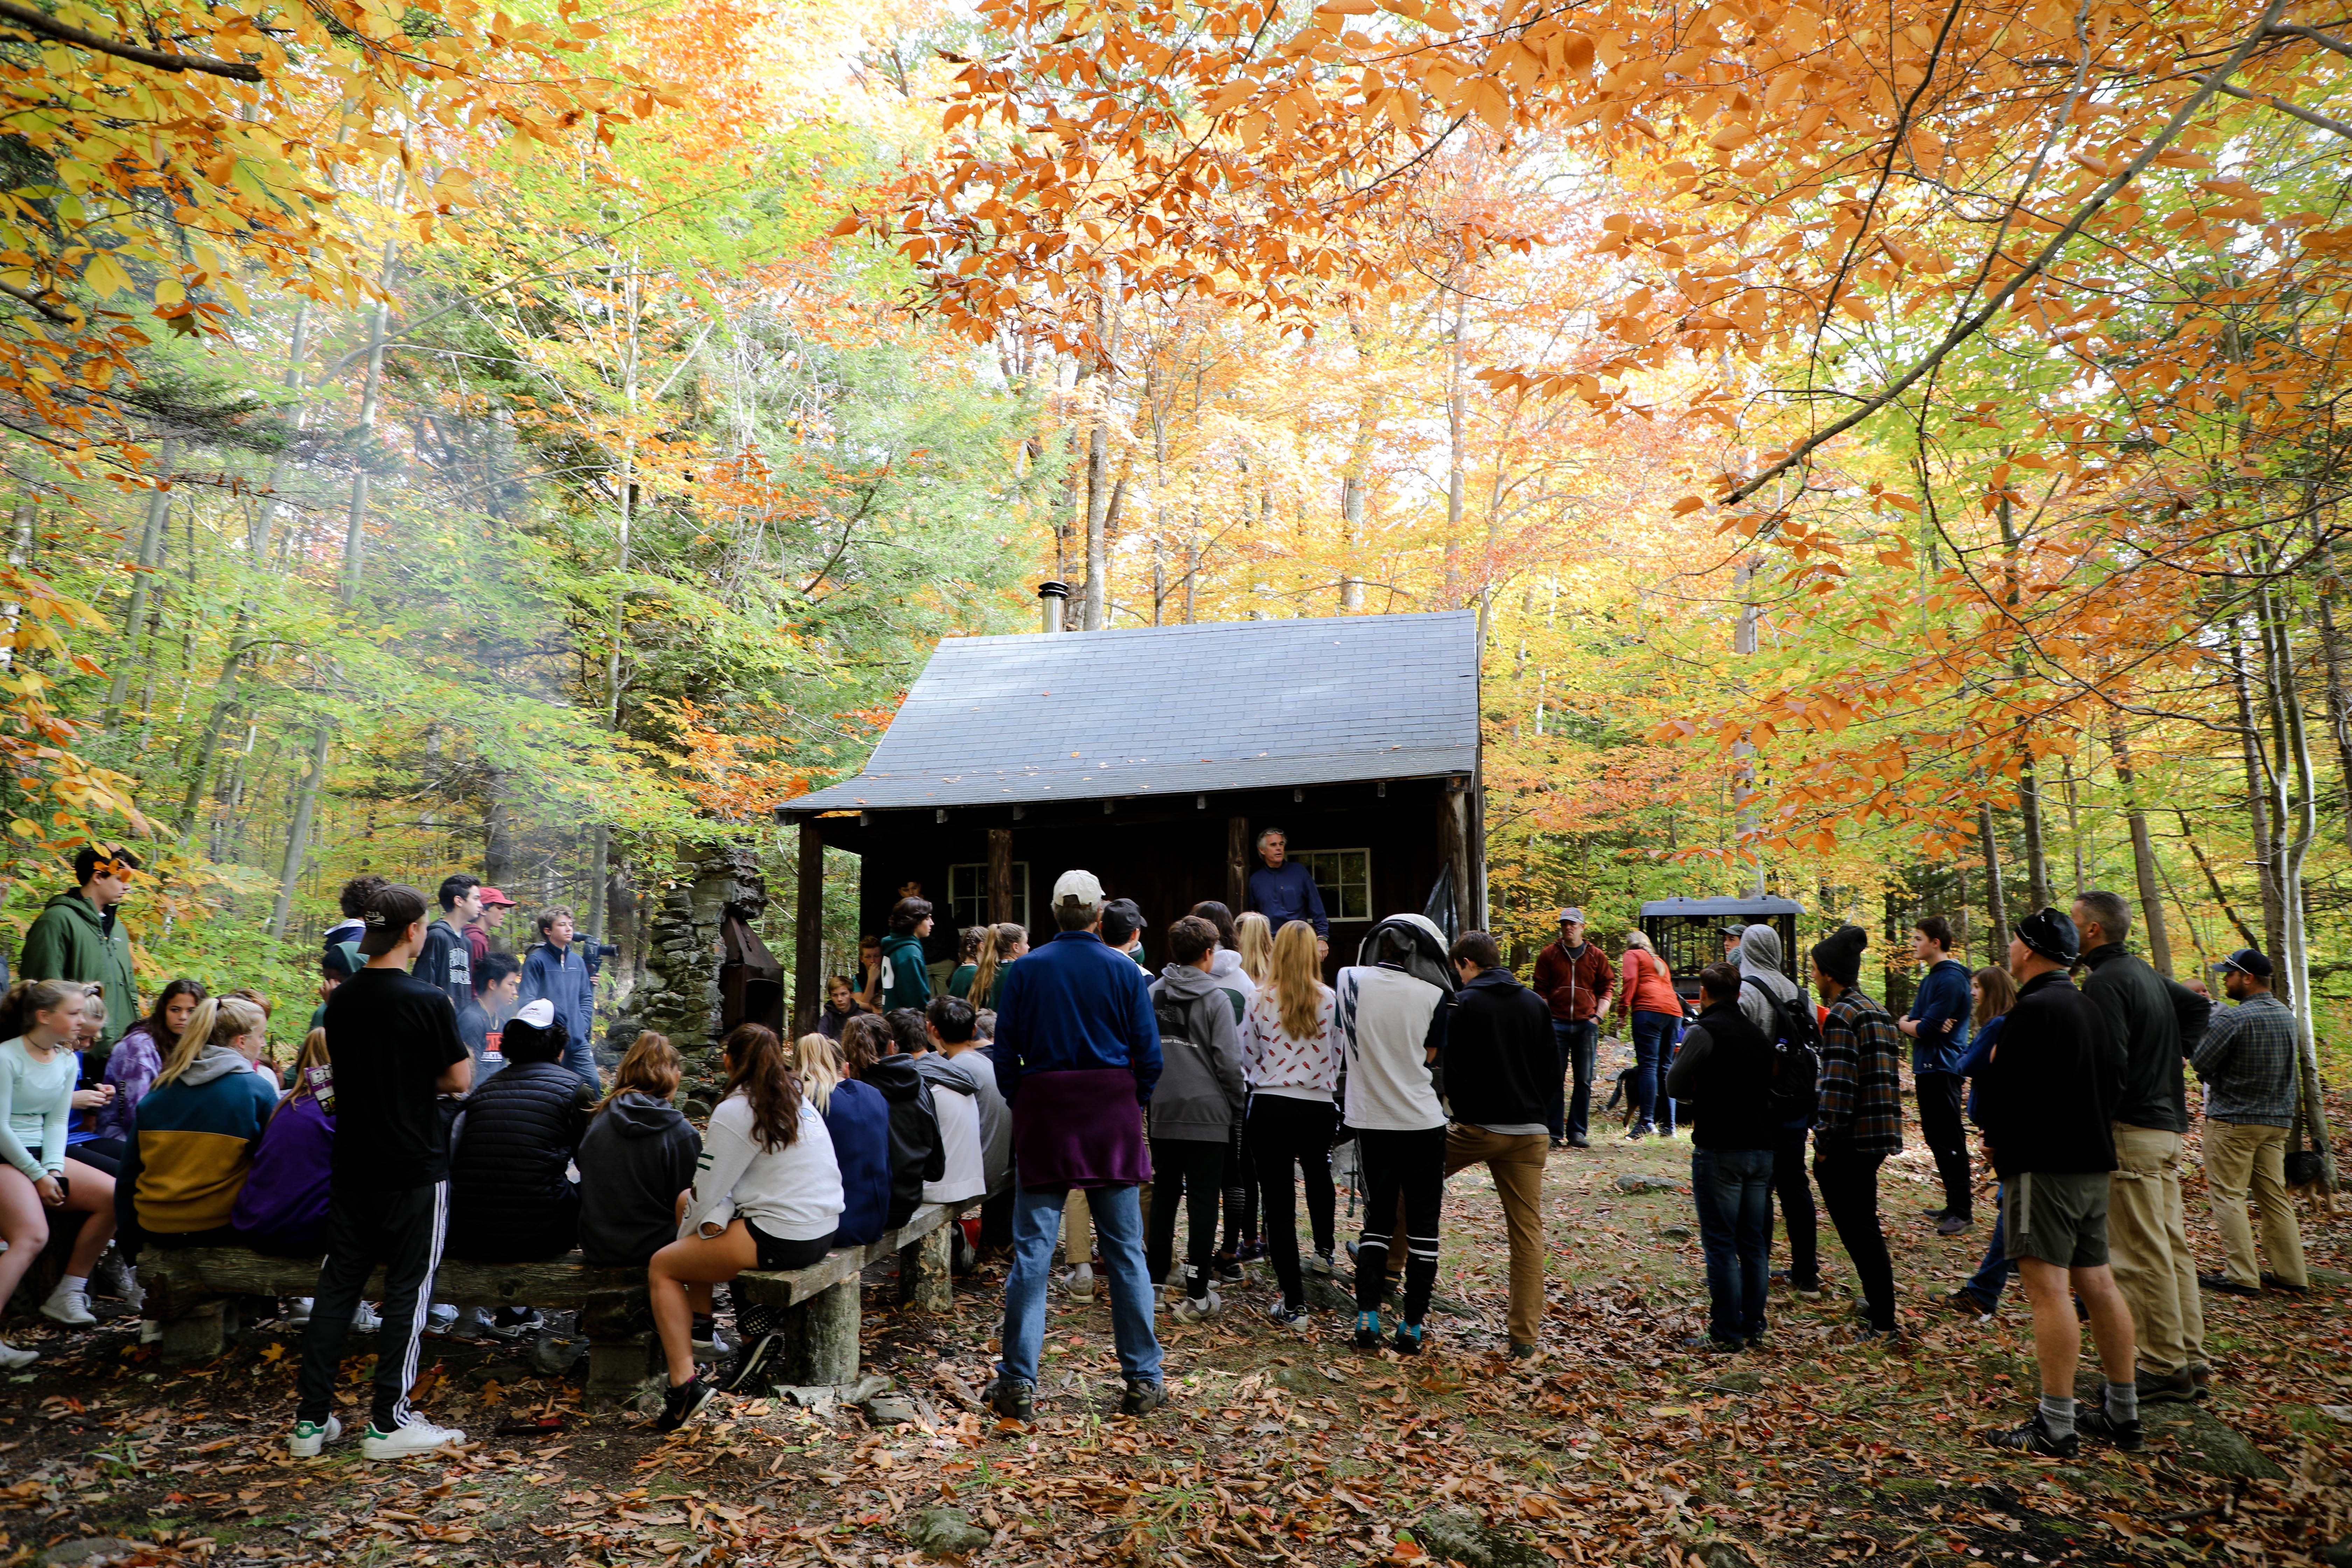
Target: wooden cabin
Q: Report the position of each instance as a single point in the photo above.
(1153, 757)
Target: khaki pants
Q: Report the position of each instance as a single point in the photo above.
(1517, 1163)
(2148, 1246)
(1077, 1230)
(2239, 1154)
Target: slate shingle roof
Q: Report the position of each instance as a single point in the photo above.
(1165, 710)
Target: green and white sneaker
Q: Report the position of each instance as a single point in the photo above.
(409, 1442)
(309, 1437)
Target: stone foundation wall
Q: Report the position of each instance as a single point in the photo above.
(680, 994)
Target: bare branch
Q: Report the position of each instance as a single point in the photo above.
(2296, 30)
(42, 26)
(2269, 101)
(26, 296)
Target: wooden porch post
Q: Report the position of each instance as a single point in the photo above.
(1000, 876)
(808, 930)
(1238, 860)
(1453, 843)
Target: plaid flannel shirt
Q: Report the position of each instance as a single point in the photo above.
(2247, 1060)
(1861, 1084)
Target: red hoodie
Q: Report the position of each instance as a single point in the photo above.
(1577, 987)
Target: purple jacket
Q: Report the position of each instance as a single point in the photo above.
(131, 1069)
(1079, 1129)
(282, 1209)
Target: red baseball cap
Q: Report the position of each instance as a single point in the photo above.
(494, 899)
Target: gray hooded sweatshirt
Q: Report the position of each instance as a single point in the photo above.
(1200, 1094)
(1759, 958)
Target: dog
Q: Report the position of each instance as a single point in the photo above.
(1624, 1092)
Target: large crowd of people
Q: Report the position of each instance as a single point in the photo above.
(446, 1103)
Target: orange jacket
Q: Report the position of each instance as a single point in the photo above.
(1649, 985)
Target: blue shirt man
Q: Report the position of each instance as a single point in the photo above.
(1284, 890)
(1937, 1025)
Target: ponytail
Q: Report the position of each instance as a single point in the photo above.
(993, 954)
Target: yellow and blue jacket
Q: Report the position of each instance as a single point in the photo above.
(196, 1136)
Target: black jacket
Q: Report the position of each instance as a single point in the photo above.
(917, 1153)
(636, 1156)
(447, 962)
(510, 1201)
(2053, 1084)
(1723, 1069)
(2158, 1023)
(1499, 1053)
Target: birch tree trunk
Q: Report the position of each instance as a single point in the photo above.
(151, 548)
(2151, 892)
(1996, 902)
(2258, 815)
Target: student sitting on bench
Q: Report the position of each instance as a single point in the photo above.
(186, 1162)
(509, 1199)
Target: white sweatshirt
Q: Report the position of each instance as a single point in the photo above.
(793, 1194)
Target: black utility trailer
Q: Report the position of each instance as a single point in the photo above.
(1688, 933)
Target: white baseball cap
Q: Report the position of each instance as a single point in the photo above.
(1078, 890)
(538, 1015)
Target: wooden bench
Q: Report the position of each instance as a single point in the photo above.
(816, 1309)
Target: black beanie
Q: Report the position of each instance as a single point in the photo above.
(1839, 954)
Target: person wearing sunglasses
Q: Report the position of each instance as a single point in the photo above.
(77, 937)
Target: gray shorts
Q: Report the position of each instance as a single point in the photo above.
(2057, 1218)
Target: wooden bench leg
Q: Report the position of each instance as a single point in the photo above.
(820, 1336)
(927, 1272)
(198, 1334)
(617, 1368)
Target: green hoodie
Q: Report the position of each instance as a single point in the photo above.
(71, 941)
(908, 981)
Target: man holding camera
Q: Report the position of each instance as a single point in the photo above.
(557, 970)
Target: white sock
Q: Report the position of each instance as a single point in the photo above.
(73, 1282)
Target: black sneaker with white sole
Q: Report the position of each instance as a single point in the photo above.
(754, 1359)
(2100, 1427)
(683, 1403)
(2036, 1440)
(1014, 1400)
(1142, 1397)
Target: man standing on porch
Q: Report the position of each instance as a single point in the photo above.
(1284, 890)
(1077, 1054)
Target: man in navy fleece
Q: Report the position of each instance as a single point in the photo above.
(1284, 890)
(1938, 1026)
(1078, 1055)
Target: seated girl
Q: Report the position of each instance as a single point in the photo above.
(283, 1209)
(85, 1140)
(139, 1055)
(637, 1161)
(768, 1195)
(511, 1200)
(197, 1131)
(37, 1176)
(858, 1120)
(871, 1046)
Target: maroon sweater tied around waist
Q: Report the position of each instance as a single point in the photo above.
(1079, 1129)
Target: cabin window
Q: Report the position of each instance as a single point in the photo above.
(1344, 877)
(968, 894)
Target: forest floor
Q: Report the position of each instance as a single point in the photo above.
(1615, 1445)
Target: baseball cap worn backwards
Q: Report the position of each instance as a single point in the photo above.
(1078, 890)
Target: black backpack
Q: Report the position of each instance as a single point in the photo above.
(1796, 1057)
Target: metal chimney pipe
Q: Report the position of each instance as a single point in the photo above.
(1051, 597)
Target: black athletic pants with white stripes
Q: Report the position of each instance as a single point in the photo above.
(1414, 1164)
(403, 1231)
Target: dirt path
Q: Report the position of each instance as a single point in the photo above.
(1616, 1445)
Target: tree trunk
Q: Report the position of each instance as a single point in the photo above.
(1097, 600)
(2037, 859)
(1457, 424)
(2152, 892)
(2073, 820)
(2212, 881)
(2295, 801)
(2339, 705)
(297, 834)
(371, 389)
(2258, 815)
(1995, 905)
(151, 548)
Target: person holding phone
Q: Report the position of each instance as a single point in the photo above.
(38, 1071)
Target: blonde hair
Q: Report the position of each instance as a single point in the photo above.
(314, 1054)
(1636, 942)
(816, 1061)
(652, 1067)
(1253, 940)
(27, 999)
(95, 998)
(996, 952)
(1296, 980)
(216, 1022)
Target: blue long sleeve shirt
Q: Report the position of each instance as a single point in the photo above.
(1288, 892)
(562, 977)
(1072, 1005)
(1973, 1064)
(1943, 994)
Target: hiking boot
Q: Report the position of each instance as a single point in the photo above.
(2203, 1377)
(2035, 1441)
(2096, 1424)
(1014, 1400)
(2227, 1286)
(1225, 1268)
(1785, 1278)
(2176, 1387)
(308, 1439)
(1953, 1225)
(1408, 1339)
(681, 1403)
(2272, 1282)
(1523, 1353)
(1579, 1143)
(1142, 1397)
(1368, 1331)
(1938, 1212)
(1965, 1300)
(408, 1442)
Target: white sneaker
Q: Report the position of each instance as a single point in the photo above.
(1078, 1283)
(13, 1360)
(438, 1319)
(300, 1316)
(1190, 1311)
(408, 1442)
(364, 1320)
(151, 1332)
(306, 1439)
(69, 1307)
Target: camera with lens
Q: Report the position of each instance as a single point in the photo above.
(594, 953)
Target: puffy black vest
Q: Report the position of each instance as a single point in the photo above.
(508, 1199)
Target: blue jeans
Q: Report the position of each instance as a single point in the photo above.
(1576, 1043)
(1734, 1191)
(580, 1056)
(1119, 1228)
(1654, 1052)
(1992, 1275)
